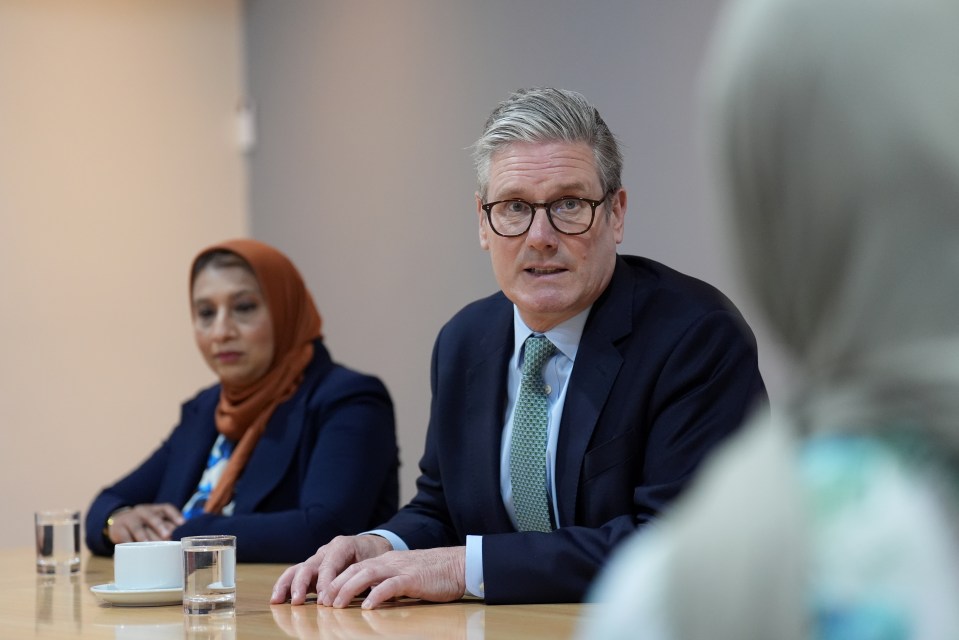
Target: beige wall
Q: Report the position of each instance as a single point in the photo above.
(116, 165)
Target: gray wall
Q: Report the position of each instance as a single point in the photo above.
(364, 110)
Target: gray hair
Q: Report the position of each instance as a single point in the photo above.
(548, 115)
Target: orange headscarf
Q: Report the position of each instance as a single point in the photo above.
(243, 411)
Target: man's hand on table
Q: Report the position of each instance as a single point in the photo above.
(348, 566)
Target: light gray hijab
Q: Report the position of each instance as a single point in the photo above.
(835, 127)
(835, 131)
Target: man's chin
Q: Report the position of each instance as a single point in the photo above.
(542, 315)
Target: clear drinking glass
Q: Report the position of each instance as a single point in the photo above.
(58, 540)
(209, 570)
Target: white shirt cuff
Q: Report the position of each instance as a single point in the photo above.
(474, 567)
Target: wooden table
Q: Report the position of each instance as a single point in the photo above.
(63, 607)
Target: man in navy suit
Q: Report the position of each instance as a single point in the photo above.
(646, 370)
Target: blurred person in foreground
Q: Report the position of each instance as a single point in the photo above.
(567, 409)
(836, 130)
(287, 451)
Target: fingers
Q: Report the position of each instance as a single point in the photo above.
(120, 533)
(298, 581)
(375, 575)
(145, 522)
(353, 580)
(153, 522)
(389, 589)
(334, 572)
(305, 578)
(386, 576)
(340, 562)
(130, 526)
(281, 590)
(170, 513)
(150, 534)
(136, 532)
(338, 556)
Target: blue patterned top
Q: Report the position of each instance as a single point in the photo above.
(215, 464)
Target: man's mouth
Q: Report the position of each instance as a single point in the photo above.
(543, 271)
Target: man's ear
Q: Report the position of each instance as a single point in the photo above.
(483, 227)
(618, 214)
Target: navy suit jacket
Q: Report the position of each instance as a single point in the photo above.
(326, 465)
(666, 369)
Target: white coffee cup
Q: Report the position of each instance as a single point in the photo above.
(148, 565)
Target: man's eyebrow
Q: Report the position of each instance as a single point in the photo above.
(569, 189)
(572, 188)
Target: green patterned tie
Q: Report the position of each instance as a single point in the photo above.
(527, 454)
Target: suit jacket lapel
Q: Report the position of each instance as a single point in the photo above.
(191, 456)
(598, 362)
(485, 395)
(271, 455)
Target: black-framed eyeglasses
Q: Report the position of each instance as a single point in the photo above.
(568, 215)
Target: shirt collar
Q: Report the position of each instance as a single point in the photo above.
(565, 336)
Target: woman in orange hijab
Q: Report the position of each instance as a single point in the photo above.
(289, 450)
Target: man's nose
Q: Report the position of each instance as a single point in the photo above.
(541, 232)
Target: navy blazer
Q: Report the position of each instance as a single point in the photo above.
(326, 465)
(666, 368)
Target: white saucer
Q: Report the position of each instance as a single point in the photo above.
(137, 597)
(219, 587)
